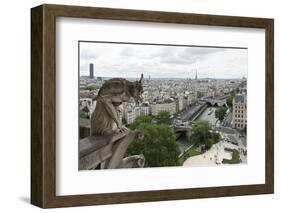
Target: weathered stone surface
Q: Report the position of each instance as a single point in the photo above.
(135, 161)
(105, 120)
(109, 139)
(120, 147)
(84, 127)
(93, 159)
(109, 151)
(93, 143)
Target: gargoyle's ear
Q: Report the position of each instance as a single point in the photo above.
(141, 78)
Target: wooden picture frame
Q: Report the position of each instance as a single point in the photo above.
(43, 105)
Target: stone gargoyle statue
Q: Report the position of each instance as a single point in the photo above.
(105, 120)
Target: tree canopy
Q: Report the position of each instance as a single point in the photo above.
(159, 145)
(139, 121)
(92, 87)
(201, 134)
(163, 117)
(220, 113)
(229, 101)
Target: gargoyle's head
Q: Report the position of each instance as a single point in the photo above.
(138, 91)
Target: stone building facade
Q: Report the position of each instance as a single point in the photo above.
(239, 111)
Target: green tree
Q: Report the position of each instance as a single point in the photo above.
(159, 145)
(229, 101)
(201, 134)
(163, 117)
(220, 113)
(215, 137)
(92, 87)
(140, 120)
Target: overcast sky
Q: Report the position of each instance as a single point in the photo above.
(130, 60)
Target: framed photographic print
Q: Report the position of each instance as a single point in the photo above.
(136, 106)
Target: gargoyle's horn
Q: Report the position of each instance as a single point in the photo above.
(141, 78)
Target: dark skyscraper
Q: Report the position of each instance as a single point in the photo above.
(91, 76)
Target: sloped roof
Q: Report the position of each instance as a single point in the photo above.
(240, 99)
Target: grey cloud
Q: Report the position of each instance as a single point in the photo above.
(88, 54)
(201, 50)
(133, 52)
(128, 51)
(187, 55)
(167, 61)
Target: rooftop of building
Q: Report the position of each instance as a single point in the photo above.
(240, 98)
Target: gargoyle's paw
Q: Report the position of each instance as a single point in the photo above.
(124, 129)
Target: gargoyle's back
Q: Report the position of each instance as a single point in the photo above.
(114, 86)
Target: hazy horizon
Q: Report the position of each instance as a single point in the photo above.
(85, 76)
(162, 61)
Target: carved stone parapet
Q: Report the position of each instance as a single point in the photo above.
(109, 151)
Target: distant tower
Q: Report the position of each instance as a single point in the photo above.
(196, 76)
(91, 76)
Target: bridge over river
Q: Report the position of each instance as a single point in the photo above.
(192, 112)
(197, 111)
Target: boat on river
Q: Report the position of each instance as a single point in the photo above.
(210, 111)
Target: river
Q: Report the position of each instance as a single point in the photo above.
(205, 116)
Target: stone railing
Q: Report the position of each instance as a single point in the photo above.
(107, 152)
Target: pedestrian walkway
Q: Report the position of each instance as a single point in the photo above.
(212, 157)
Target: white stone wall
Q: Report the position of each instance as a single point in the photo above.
(169, 107)
(145, 110)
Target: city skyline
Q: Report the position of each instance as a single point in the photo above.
(196, 122)
(162, 61)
